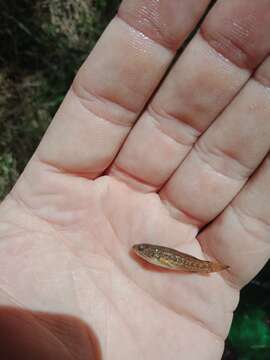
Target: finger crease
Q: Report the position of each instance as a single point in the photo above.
(180, 214)
(168, 48)
(189, 134)
(118, 169)
(214, 43)
(204, 154)
(250, 218)
(88, 100)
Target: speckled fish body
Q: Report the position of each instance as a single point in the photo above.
(175, 260)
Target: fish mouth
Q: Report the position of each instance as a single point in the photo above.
(135, 247)
(138, 248)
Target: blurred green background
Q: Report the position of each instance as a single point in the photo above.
(43, 43)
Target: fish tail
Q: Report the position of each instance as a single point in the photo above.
(215, 267)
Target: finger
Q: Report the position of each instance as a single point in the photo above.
(203, 81)
(115, 82)
(240, 236)
(224, 157)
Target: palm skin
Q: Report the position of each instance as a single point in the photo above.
(75, 260)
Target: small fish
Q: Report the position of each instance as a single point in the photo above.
(175, 260)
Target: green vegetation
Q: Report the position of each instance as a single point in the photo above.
(43, 43)
(250, 333)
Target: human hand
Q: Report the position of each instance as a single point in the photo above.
(70, 289)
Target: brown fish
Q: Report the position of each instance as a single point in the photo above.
(175, 260)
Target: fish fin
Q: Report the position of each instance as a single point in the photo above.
(215, 267)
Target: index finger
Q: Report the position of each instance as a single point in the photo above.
(114, 83)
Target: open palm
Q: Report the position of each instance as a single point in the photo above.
(69, 286)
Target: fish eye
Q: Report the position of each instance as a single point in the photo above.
(140, 247)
